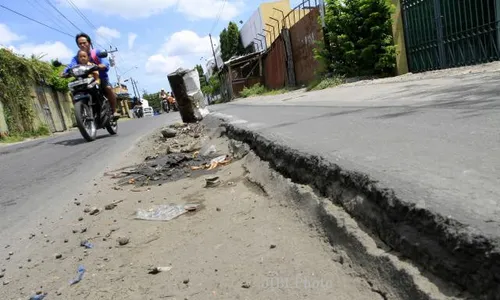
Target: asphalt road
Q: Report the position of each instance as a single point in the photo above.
(37, 177)
(436, 142)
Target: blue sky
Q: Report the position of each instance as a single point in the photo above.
(154, 37)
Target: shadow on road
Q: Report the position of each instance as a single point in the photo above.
(79, 141)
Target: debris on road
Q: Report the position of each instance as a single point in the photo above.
(212, 182)
(122, 241)
(79, 277)
(168, 133)
(245, 285)
(164, 212)
(94, 211)
(58, 255)
(156, 270)
(86, 244)
(238, 149)
(38, 296)
(113, 205)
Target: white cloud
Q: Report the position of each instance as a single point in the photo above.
(131, 40)
(7, 36)
(160, 64)
(106, 34)
(187, 42)
(135, 9)
(209, 9)
(55, 50)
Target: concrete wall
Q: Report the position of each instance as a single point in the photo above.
(3, 124)
(399, 38)
(267, 11)
(252, 28)
(52, 109)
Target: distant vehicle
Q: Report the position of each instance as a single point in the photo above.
(148, 111)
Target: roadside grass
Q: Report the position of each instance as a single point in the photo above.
(19, 137)
(259, 90)
(322, 83)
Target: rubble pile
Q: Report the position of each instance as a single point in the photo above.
(179, 151)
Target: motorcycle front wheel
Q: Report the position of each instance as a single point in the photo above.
(85, 121)
(112, 127)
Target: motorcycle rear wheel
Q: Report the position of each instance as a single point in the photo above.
(85, 122)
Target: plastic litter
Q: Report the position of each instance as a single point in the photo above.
(218, 159)
(79, 277)
(156, 270)
(38, 297)
(87, 245)
(164, 212)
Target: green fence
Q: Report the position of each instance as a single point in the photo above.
(450, 33)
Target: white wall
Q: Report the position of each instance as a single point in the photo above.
(251, 29)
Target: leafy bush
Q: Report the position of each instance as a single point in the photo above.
(17, 76)
(360, 38)
(254, 90)
(325, 83)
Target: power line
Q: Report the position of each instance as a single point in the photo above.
(218, 16)
(29, 18)
(55, 8)
(45, 11)
(82, 15)
(78, 11)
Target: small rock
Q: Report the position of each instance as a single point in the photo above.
(185, 281)
(83, 230)
(29, 259)
(75, 231)
(110, 206)
(7, 246)
(94, 211)
(77, 203)
(11, 253)
(86, 210)
(1, 275)
(80, 219)
(58, 255)
(4, 269)
(218, 209)
(122, 241)
(168, 133)
(66, 240)
(245, 285)
(6, 282)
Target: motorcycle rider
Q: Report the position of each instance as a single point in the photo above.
(164, 100)
(84, 42)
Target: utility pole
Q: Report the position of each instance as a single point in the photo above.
(213, 52)
(134, 87)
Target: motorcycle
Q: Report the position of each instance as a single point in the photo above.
(172, 103)
(139, 112)
(92, 108)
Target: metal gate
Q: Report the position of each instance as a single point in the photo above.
(442, 34)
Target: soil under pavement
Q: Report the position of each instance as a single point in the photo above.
(239, 244)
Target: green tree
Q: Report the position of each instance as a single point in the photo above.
(212, 87)
(360, 36)
(230, 42)
(154, 100)
(203, 82)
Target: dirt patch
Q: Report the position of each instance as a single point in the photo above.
(237, 243)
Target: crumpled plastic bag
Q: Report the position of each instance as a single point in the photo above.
(164, 212)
